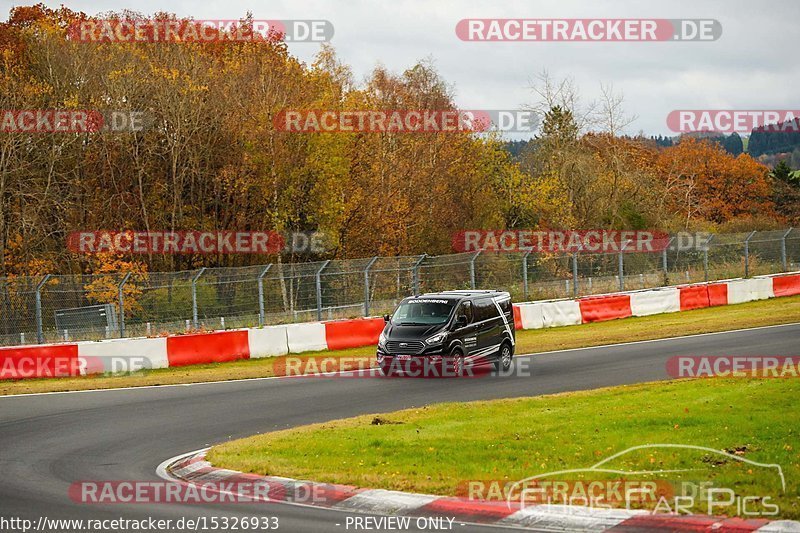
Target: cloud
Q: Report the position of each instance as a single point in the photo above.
(751, 66)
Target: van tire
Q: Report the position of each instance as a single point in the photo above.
(504, 357)
(458, 362)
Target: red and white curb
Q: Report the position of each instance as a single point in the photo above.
(193, 468)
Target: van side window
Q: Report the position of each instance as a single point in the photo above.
(505, 305)
(466, 309)
(485, 309)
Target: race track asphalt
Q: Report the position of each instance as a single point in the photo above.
(49, 441)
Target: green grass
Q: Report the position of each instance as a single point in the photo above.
(751, 314)
(437, 449)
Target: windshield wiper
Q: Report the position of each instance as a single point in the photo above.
(412, 324)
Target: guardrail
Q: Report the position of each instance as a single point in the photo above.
(81, 358)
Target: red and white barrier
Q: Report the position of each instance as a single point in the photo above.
(788, 285)
(557, 313)
(747, 290)
(530, 315)
(517, 317)
(267, 342)
(40, 361)
(341, 334)
(308, 337)
(123, 354)
(609, 307)
(656, 301)
(201, 348)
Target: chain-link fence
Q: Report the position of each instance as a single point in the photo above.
(87, 307)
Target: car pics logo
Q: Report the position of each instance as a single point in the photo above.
(405, 121)
(712, 500)
(734, 120)
(133, 31)
(588, 30)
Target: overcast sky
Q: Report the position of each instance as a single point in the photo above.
(754, 65)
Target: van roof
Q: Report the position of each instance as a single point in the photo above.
(462, 294)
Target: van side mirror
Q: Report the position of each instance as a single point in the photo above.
(461, 321)
(387, 318)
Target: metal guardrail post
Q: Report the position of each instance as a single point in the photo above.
(574, 274)
(472, 269)
(366, 284)
(261, 317)
(318, 281)
(415, 273)
(621, 266)
(525, 275)
(121, 297)
(195, 321)
(705, 258)
(39, 329)
(783, 250)
(747, 255)
(664, 264)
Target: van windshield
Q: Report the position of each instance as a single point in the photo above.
(422, 312)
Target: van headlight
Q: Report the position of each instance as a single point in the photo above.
(382, 339)
(436, 339)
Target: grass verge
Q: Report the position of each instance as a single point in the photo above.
(751, 314)
(441, 449)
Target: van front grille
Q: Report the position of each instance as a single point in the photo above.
(404, 347)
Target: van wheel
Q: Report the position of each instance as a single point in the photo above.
(504, 356)
(458, 362)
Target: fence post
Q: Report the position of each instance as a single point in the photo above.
(261, 294)
(121, 297)
(472, 269)
(783, 250)
(39, 329)
(574, 274)
(705, 259)
(664, 264)
(195, 321)
(747, 255)
(366, 284)
(621, 266)
(318, 281)
(415, 273)
(525, 275)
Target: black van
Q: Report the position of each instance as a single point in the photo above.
(464, 329)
